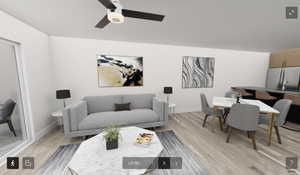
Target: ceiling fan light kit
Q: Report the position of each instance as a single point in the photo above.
(114, 17)
(116, 14)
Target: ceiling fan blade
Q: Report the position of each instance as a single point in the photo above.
(142, 15)
(108, 4)
(104, 22)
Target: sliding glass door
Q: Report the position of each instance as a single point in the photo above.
(13, 131)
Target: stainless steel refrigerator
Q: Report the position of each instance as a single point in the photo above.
(289, 75)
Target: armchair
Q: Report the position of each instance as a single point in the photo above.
(6, 111)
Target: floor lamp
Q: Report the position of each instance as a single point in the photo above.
(63, 94)
(168, 91)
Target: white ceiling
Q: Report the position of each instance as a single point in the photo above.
(257, 25)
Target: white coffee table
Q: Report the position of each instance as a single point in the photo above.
(92, 158)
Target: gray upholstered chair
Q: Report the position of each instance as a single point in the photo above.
(6, 110)
(232, 94)
(208, 111)
(243, 117)
(242, 92)
(283, 107)
(229, 94)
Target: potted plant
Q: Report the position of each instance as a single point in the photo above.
(111, 136)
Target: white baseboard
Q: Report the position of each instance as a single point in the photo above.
(45, 131)
(24, 145)
(15, 151)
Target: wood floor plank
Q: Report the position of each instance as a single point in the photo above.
(207, 143)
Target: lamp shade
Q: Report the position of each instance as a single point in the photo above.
(168, 90)
(63, 93)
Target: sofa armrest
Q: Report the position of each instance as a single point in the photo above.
(73, 115)
(161, 109)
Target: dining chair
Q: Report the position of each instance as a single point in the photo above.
(243, 117)
(242, 92)
(229, 94)
(6, 110)
(208, 111)
(283, 107)
(232, 94)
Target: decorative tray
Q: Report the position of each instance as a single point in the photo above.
(144, 139)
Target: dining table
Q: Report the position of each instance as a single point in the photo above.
(219, 103)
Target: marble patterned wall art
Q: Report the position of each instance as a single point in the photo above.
(198, 72)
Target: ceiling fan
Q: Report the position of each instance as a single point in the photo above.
(116, 14)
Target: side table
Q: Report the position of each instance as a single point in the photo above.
(172, 107)
(59, 117)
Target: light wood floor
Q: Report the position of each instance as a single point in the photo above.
(208, 144)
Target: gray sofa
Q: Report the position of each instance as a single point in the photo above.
(94, 113)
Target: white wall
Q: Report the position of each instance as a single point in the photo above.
(38, 68)
(75, 68)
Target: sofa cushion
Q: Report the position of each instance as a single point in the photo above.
(104, 119)
(140, 101)
(102, 103)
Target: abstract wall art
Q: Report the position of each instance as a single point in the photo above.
(198, 72)
(119, 71)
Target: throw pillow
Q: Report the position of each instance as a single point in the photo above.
(122, 107)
